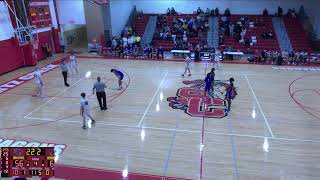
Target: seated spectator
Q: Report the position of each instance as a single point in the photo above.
(173, 11)
(199, 11)
(124, 41)
(208, 12)
(138, 39)
(280, 60)
(168, 12)
(280, 11)
(227, 12)
(130, 41)
(265, 12)
(139, 14)
(216, 12)
(160, 52)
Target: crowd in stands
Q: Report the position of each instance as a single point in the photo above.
(182, 28)
(279, 58)
(291, 12)
(128, 44)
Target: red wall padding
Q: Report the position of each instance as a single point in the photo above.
(10, 55)
(43, 37)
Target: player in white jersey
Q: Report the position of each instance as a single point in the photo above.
(38, 82)
(217, 63)
(187, 68)
(73, 63)
(85, 110)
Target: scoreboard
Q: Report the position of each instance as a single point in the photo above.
(27, 161)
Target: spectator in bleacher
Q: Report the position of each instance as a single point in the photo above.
(280, 60)
(280, 11)
(199, 11)
(124, 41)
(208, 12)
(130, 41)
(291, 13)
(139, 14)
(265, 12)
(168, 12)
(160, 53)
(227, 12)
(216, 12)
(212, 12)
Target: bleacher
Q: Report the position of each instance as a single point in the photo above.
(168, 44)
(140, 24)
(262, 44)
(297, 35)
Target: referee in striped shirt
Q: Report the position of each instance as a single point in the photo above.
(101, 94)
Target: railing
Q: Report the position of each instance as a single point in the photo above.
(132, 17)
(307, 25)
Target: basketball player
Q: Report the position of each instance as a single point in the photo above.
(38, 82)
(217, 63)
(231, 94)
(85, 110)
(209, 81)
(73, 63)
(120, 76)
(101, 94)
(64, 69)
(187, 68)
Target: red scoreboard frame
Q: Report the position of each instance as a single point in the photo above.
(27, 161)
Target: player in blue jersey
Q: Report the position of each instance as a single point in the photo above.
(209, 81)
(120, 76)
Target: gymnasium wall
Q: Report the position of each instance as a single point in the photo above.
(71, 11)
(312, 9)
(11, 54)
(94, 21)
(120, 12)
(235, 6)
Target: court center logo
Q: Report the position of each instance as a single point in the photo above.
(192, 99)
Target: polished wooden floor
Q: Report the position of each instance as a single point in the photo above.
(267, 135)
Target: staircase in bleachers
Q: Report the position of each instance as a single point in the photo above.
(213, 32)
(149, 31)
(282, 34)
(262, 44)
(168, 44)
(140, 24)
(297, 35)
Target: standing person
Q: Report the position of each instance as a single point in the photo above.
(188, 60)
(209, 82)
(120, 76)
(231, 94)
(101, 94)
(217, 63)
(38, 82)
(85, 110)
(64, 69)
(73, 63)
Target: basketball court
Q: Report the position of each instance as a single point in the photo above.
(272, 131)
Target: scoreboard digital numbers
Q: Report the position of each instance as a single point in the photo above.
(27, 161)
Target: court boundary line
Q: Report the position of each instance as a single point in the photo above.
(28, 72)
(151, 101)
(42, 105)
(258, 103)
(182, 130)
(182, 60)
